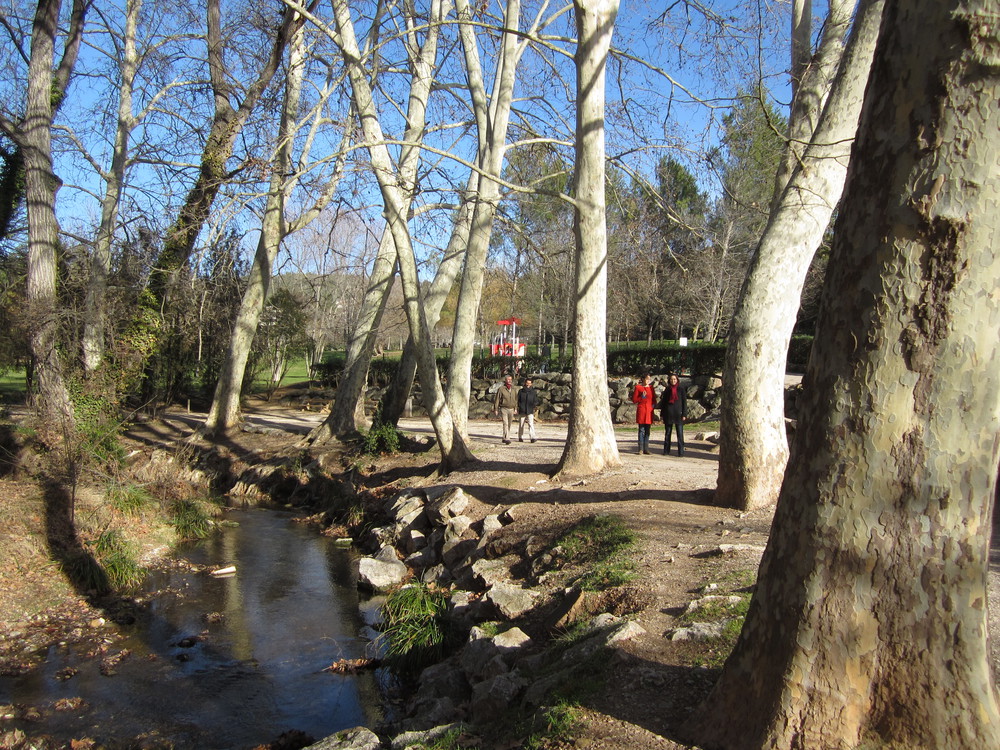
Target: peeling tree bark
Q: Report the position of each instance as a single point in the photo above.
(868, 626)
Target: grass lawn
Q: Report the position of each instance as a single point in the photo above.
(12, 387)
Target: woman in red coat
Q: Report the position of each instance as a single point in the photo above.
(643, 397)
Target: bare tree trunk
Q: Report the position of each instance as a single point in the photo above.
(812, 79)
(224, 411)
(492, 123)
(394, 400)
(869, 622)
(590, 444)
(92, 345)
(753, 447)
(454, 450)
(41, 183)
(347, 411)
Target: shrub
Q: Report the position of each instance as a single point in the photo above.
(381, 438)
(118, 559)
(414, 627)
(190, 520)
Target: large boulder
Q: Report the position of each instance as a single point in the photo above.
(449, 505)
(509, 600)
(380, 575)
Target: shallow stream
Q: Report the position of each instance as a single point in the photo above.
(219, 662)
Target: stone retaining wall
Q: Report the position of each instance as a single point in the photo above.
(704, 396)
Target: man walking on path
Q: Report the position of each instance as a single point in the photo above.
(504, 405)
(527, 401)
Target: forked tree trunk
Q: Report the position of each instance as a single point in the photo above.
(227, 124)
(347, 413)
(224, 411)
(590, 444)
(453, 448)
(869, 622)
(753, 448)
(394, 400)
(812, 78)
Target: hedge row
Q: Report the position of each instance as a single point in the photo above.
(697, 359)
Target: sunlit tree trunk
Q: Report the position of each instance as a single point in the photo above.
(753, 448)
(35, 139)
(347, 413)
(95, 302)
(812, 77)
(224, 411)
(454, 450)
(492, 119)
(868, 627)
(394, 400)
(590, 445)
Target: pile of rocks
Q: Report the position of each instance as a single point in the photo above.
(427, 535)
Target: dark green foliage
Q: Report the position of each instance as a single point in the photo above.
(11, 188)
(382, 438)
(415, 628)
(696, 359)
(190, 520)
(798, 353)
(98, 425)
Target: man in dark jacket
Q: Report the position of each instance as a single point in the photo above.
(527, 402)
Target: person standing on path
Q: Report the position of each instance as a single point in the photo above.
(673, 407)
(527, 401)
(504, 405)
(643, 397)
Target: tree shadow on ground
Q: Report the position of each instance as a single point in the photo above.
(82, 569)
(656, 696)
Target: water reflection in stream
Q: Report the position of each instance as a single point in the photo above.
(290, 610)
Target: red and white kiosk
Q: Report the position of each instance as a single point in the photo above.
(506, 342)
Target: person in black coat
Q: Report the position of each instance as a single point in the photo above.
(527, 402)
(673, 407)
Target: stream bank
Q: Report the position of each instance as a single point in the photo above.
(206, 661)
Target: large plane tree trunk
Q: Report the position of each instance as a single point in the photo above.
(590, 444)
(869, 623)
